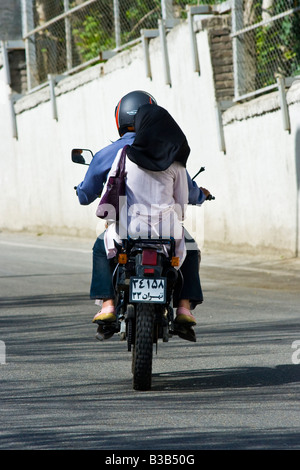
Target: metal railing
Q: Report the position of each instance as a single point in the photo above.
(64, 35)
(266, 44)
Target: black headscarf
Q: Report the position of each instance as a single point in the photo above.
(159, 141)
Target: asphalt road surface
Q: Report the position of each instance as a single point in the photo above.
(237, 387)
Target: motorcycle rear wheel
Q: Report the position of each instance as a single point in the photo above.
(143, 351)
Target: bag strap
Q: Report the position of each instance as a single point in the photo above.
(121, 164)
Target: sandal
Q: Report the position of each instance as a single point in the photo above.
(106, 314)
(183, 315)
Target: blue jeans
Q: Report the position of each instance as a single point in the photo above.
(102, 286)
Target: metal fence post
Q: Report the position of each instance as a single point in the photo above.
(51, 79)
(5, 63)
(117, 23)
(195, 56)
(238, 48)
(13, 116)
(283, 104)
(68, 37)
(167, 12)
(28, 25)
(220, 130)
(163, 40)
(146, 35)
(145, 43)
(10, 95)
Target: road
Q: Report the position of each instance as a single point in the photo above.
(237, 387)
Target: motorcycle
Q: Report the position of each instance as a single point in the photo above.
(145, 278)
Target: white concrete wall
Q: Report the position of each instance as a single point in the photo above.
(256, 183)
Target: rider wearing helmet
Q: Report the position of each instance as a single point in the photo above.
(127, 108)
(91, 187)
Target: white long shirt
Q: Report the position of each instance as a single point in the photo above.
(156, 202)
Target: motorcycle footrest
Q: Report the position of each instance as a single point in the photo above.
(106, 330)
(108, 327)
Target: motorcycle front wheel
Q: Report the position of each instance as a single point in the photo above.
(143, 350)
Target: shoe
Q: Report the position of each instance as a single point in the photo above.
(183, 315)
(107, 314)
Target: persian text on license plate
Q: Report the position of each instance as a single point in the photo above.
(147, 290)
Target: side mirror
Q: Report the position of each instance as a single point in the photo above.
(82, 156)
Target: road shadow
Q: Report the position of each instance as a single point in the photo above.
(218, 379)
(44, 300)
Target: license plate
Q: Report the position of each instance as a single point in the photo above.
(147, 290)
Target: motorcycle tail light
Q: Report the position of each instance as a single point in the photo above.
(122, 258)
(149, 270)
(175, 261)
(149, 258)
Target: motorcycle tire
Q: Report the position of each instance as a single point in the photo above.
(143, 350)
